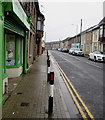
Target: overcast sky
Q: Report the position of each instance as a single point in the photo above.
(63, 19)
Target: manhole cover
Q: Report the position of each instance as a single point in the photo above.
(24, 104)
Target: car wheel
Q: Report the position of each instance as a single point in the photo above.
(74, 53)
(94, 59)
(83, 55)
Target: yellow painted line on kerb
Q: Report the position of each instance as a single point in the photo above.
(76, 102)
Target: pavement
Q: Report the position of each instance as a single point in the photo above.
(29, 98)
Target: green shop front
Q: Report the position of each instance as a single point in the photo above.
(15, 42)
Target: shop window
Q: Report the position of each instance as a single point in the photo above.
(10, 50)
(20, 50)
(4, 57)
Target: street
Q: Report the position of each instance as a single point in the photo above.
(87, 78)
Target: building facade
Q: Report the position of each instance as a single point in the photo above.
(83, 41)
(18, 39)
(14, 29)
(102, 34)
(61, 44)
(96, 45)
(39, 30)
(89, 40)
(30, 9)
(36, 21)
(52, 45)
(66, 43)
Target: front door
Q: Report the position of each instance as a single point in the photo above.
(104, 48)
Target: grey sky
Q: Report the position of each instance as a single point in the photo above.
(61, 15)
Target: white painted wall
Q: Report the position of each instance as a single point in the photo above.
(5, 81)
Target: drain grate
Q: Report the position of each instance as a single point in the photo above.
(19, 93)
(24, 104)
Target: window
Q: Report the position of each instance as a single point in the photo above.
(87, 47)
(95, 46)
(39, 18)
(14, 50)
(104, 31)
(101, 31)
(38, 25)
(10, 50)
(19, 50)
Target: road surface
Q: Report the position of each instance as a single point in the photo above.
(87, 78)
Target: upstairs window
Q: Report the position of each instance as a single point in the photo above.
(102, 31)
(38, 25)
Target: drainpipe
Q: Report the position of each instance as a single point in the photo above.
(25, 53)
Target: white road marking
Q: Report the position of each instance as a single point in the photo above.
(94, 65)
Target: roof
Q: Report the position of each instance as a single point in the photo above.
(54, 42)
(102, 21)
(66, 39)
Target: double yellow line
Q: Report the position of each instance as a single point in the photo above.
(73, 91)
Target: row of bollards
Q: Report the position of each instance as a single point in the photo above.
(50, 79)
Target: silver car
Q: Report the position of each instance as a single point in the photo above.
(78, 51)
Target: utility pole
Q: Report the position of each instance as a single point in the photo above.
(81, 26)
(59, 42)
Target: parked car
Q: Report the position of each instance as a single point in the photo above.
(78, 51)
(65, 50)
(59, 49)
(97, 56)
(71, 50)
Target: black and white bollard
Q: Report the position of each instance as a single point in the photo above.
(47, 53)
(51, 93)
(48, 69)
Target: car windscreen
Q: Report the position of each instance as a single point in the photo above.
(77, 49)
(98, 52)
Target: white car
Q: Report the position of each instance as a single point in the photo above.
(97, 56)
(71, 50)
